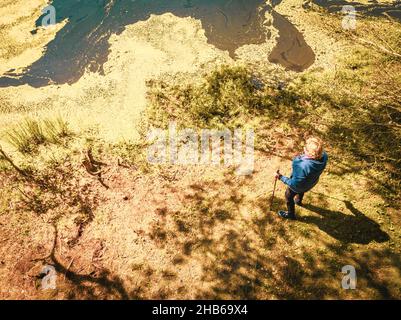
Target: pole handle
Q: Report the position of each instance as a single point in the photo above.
(274, 190)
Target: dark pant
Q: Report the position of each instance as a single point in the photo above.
(289, 197)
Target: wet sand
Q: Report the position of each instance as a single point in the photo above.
(291, 50)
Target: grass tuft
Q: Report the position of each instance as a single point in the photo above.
(32, 133)
(56, 130)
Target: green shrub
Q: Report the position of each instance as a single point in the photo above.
(220, 98)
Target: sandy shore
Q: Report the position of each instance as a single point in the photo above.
(19, 48)
(112, 103)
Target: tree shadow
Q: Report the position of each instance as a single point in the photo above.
(356, 228)
(353, 145)
(259, 256)
(101, 284)
(374, 260)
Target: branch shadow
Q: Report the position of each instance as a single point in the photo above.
(254, 257)
(96, 285)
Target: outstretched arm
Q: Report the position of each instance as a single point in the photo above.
(285, 180)
(282, 178)
(295, 177)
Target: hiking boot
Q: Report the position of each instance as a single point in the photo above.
(286, 215)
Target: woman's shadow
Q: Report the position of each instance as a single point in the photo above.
(355, 228)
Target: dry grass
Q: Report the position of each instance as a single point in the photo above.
(32, 133)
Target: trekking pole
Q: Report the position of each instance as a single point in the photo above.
(274, 191)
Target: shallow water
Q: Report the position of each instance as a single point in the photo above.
(291, 50)
(83, 42)
(228, 24)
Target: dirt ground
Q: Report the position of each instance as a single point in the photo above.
(200, 232)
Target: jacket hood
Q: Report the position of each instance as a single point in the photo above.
(316, 163)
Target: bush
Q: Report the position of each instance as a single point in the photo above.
(220, 98)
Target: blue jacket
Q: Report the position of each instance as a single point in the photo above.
(305, 173)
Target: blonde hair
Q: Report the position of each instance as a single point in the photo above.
(314, 147)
